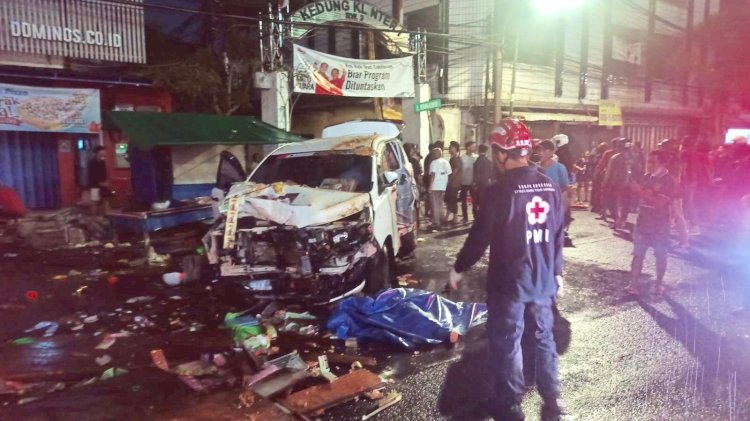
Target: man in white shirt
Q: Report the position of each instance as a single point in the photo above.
(440, 169)
(467, 181)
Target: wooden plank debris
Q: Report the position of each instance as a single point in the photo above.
(324, 396)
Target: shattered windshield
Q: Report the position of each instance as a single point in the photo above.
(343, 172)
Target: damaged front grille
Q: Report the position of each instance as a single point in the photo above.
(325, 261)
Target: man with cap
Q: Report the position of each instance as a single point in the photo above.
(623, 169)
(521, 221)
(560, 176)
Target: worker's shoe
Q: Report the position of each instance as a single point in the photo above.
(499, 412)
(513, 413)
(553, 410)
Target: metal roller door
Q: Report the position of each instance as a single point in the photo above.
(650, 136)
(28, 164)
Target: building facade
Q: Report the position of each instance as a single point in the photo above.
(62, 66)
(559, 66)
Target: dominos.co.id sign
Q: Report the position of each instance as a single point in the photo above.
(85, 29)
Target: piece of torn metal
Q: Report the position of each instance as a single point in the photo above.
(279, 381)
(291, 360)
(250, 381)
(294, 205)
(325, 370)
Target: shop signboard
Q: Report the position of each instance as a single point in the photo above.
(326, 74)
(33, 109)
(92, 30)
(323, 12)
(610, 113)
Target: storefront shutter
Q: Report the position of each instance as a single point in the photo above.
(28, 164)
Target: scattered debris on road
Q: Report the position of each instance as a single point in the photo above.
(282, 360)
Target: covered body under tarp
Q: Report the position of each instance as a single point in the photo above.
(405, 317)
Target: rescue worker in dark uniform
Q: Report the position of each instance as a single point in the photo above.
(522, 222)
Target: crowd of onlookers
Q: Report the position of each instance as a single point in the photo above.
(711, 181)
(683, 186)
(461, 178)
(447, 183)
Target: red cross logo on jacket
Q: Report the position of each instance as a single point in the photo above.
(537, 210)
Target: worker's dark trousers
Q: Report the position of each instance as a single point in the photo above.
(505, 328)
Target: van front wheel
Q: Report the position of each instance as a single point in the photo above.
(379, 271)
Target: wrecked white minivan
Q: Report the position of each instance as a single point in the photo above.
(318, 220)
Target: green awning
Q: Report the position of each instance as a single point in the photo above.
(146, 130)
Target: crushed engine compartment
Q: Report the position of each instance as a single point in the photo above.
(316, 263)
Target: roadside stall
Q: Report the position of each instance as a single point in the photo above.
(174, 162)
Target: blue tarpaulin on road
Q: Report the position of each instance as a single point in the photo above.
(405, 317)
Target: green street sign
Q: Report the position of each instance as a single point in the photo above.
(432, 104)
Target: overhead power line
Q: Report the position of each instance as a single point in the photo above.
(338, 25)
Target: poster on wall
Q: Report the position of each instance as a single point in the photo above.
(326, 74)
(34, 109)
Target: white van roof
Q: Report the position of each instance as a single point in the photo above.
(363, 144)
(362, 128)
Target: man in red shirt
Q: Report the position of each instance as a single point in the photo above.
(337, 82)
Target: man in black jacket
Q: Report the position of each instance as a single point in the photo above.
(522, 221)
(99, 186)
(484, 176)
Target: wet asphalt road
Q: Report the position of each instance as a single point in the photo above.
(682, 357)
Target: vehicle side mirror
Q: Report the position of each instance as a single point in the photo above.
(390, 178)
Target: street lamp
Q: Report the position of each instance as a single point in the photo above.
(545, 7)
(552, 6)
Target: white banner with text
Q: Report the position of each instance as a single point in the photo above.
(326, 74)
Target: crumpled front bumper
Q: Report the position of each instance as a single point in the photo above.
(320, 288)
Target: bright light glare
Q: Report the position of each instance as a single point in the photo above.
(552, 6)
(737, 135)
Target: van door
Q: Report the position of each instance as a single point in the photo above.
(406, 190)
(230, 171)
(385, 221)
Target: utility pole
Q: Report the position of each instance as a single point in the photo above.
(498, 39)
(376, 102)
(516, 40)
